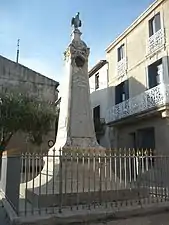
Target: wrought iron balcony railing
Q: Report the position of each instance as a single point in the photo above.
(154, 97)
(121, 67)
(156, 41)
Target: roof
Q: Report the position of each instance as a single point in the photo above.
(39, 74)
(152, 7)
(99, 65)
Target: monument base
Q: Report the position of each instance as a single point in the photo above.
(98, 197)
(81, 180)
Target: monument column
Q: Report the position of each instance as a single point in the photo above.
(75, 127)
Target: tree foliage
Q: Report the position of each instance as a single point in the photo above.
(20, 113)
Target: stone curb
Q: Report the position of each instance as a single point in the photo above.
(87, 216)
(84, 216)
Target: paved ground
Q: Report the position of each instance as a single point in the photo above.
(161, 219)
(158, 219)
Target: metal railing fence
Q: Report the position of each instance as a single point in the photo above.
(79, 179)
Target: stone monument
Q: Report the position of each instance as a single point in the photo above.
(75, 131)
(75, 128)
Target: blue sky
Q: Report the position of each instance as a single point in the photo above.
(43, 27)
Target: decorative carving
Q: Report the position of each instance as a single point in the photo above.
(156, 41)
(149, 99)
(121, 68)
(66, 54)
(79, 61)
(77, 50)
(80, 81)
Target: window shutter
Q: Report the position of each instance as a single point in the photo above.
(122, 51)
(160, 73)
(165, 62)
(118, 54)
(152, 80)
(126, 89)
(117, 94)
(150, 28)
(157, 22)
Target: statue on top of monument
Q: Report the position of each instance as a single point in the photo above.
(76, 22)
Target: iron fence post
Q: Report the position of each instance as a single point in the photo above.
(60, 180)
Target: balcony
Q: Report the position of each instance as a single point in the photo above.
(156, 41)
(121, 68)
(148, 100)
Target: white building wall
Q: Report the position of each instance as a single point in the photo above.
(100, 97)
(102, 79)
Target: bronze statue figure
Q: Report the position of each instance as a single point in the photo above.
(76, 22)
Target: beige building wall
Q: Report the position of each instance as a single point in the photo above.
(19, 142)
(135, 39)
(165, 10)
(161, 126)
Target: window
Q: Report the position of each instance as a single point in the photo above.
(143, 143)
(154, 24)
(96, 81)
(96, 113)
(120, 53)
(146, 141)
(146, 138)
(155, 73)
(121, 92)
(132, 137)
(96, 117)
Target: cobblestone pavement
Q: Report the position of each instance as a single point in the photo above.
(160, 219)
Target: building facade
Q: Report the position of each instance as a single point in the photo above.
(98, 80)
(138, 61)
(14, 76)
